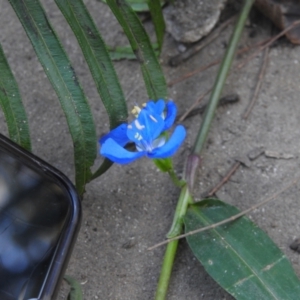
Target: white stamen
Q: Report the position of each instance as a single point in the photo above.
(152, 118)
(138, 125)
(138, 136)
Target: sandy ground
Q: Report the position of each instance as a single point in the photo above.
(130, 208)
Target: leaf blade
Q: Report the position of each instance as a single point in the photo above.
(125, 52)
(139, 5)
(12, 106)
(97, 58)
(65, 83)
(153, 76)
(239, 255)
(158, 21)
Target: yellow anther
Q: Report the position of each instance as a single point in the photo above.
(136, 110)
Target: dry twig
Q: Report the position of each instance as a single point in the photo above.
(262, 45)
(269, 43)
(228, 99)
(194, 105)
(178, 59)
(225, 179)
(259, 83)
(215, 62)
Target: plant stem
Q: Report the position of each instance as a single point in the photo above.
(194, 159)
(184, 199)
(165, 274)
(175, 179)
(221, 77)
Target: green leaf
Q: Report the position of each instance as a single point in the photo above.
(139, 5)
(63, 79)
(12, 106)
(75, 292)
(125, 52)
(122, 52)
(98, 59)
(239, 255)
(158, 21)
(103, 168)
(153, 76)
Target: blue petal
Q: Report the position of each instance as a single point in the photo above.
(156, 107)
(118, 154)
(118, 134)
(171, 146)
(145, 128)
(171, 115)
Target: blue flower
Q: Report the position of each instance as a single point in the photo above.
(146, 132)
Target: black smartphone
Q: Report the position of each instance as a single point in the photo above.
(40, 217)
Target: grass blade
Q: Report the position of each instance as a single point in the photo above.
(99, 62)
(12, 106)
(98, 59)
(125, 52)
(153, 76)
(121, 52)
(158, 21)
(139, 5)
(239, 255)
(65, 83)
(106, 164)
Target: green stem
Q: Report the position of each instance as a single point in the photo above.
(221, 77)
(165, 274)
(176, 181)
(184, 200)
(194, 158)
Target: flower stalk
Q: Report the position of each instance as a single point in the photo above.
(185, 199)
(194, 158)
(179, 183)
(164, 278)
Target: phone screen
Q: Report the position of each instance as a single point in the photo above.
(36, 219)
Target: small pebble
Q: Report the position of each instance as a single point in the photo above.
(181, 48)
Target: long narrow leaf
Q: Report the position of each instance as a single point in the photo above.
(98, 59)
(139, 5)
(106, 164)
(99, 62)
(125, 52)
(121, 52)
(140, 43)
(239, 255)
(63, 79)
(158, 21)
(12, 106)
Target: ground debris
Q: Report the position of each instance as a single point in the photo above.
(278, 155)
(129, 244)
(188, 21)
(228, 99)
(255, 153)
(282, 13)
(243, 160)
(295, 245)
